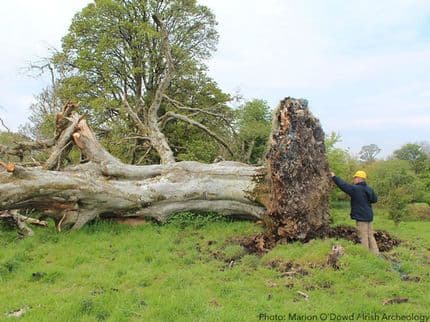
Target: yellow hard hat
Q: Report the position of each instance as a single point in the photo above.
(360, 174)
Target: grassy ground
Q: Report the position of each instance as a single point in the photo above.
(182, 272)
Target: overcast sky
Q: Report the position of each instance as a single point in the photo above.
(364, 66)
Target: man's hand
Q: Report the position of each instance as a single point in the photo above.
(332, 174)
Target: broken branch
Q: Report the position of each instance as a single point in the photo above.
(9, 167)
(63, 141)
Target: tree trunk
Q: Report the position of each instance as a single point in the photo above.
(159, 141)
(85, 192)
(293, 189)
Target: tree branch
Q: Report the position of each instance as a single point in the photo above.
(163, 120)
(202, 127)
(137, 137)
(196, 110)
(178, 105)
(145, 155)
(18, 221)
(4, 125)
(165, 82)
(29, 220)
(63, 141)
(135, 117)
(20, 147)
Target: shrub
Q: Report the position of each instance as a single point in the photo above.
(340, 162)
(417, 211)
(425, 198)
(387, 176)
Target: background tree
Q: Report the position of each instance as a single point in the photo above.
(369, 152)
(137, 67)
(425, 145)
(254, 126)
(340, 162)
(396, 184)
(414, 154)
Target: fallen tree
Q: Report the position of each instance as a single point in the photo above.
(105, 187)
(294, 188)
(290, 194)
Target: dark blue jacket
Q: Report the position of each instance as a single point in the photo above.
(362, 196)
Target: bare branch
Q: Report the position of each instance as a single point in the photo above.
(135, 117)
(137, 137)
(202, 127)
(196, 111)
(144, 156)
(163, 120)
(18, 221)
(178, 105)
(7, 150)
(29, 220)
(35, 145)
(20, 147)
(4, 125)
(33, 163)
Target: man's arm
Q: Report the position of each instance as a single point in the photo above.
(373, 197)
(344, 186)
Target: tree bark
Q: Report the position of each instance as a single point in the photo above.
(85, 192)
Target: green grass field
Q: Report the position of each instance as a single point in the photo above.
(182, 271)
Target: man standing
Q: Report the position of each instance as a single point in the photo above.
(362, 197)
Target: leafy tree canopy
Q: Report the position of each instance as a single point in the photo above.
(116, 50)
(413, 153)
(254, 126)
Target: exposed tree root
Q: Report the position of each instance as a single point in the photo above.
(299, 179)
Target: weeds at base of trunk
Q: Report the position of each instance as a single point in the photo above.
(195, 219)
